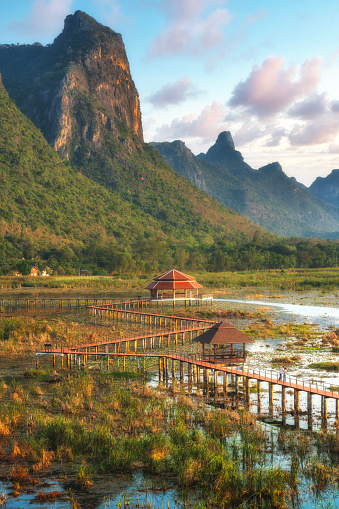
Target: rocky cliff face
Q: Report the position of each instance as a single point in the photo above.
(75, 89)
(183, 161)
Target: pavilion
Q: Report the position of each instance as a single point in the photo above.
(223, 344)
(173, 285)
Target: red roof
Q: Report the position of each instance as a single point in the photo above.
(173, 280)
(223, 333)
(173, 275)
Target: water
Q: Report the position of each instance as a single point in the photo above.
(315, 314)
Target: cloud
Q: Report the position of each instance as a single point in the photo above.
(333, 148)
(311, 107)
(256, 16)
(314, 133)
(277, 135)
(206, 125)
(174, 93)
(193, 27)
(45, 18)
(271, 88)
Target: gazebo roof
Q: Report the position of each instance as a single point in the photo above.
(173, 280)
(223, 333)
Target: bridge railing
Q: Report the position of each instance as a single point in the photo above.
(265, 375)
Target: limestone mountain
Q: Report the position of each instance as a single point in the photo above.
(75, 87)
(327, 188)
(266, 196)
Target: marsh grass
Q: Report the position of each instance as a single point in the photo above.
(328, 366)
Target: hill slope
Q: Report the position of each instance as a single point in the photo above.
(327, 188)
(266, 196)
(51, 211)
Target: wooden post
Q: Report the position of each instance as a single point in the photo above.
(323, 410)
(225, 383)
(247, 390)
(216, 383)
(309, 410)
(296, 401)
(189, 374)
(270, 398)
(283, 399)
(259, 396)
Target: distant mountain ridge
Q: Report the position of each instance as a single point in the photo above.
(266, 196)
(327, 188)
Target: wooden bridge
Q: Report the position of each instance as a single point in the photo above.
(197, 370)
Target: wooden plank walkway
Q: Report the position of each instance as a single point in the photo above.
(198, 363)
(96, 311)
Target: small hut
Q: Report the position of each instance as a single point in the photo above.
(223, 344)
(173, 285)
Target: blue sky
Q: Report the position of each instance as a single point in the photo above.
(267, 71)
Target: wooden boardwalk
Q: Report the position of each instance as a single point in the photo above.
(185, 329)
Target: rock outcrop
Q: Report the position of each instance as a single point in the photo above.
(75, 87)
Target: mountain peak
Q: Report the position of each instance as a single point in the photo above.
(225, 139)
(80, 21)
(272, 168)
(223, 152)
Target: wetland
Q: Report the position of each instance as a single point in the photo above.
(102, 437)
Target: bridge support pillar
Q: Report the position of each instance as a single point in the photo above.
(309, 410)
(247, 391)
(337, 409)
(270, 398)
(173, 370)
(216, 382)
(236, 382)
(225, 382)
(296, 400)
(283, 399)
(181, 372)
(296, 407)
(189, 375)
(159, 368)
(323, 410)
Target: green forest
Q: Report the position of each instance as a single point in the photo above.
(139, 216)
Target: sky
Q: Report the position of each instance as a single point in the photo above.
(265, 70)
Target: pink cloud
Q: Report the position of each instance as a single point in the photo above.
(45, 18)
(206, 125)
(271, 88)
(311, 107)
(174, 93)
(193, 26)
(314, 133)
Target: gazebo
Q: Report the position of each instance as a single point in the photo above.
(173, 285)
(223, 344)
